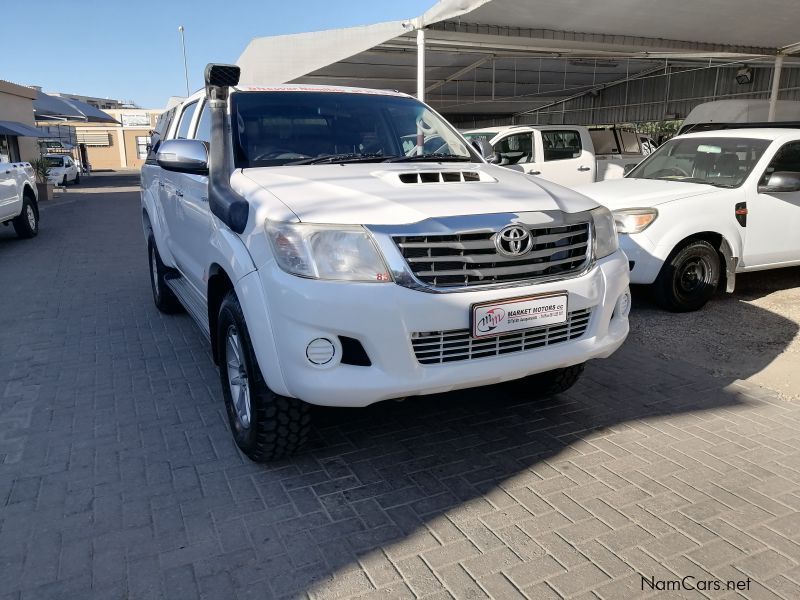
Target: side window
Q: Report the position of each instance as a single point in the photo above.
(186, 120)
(787, 159)
(629, 142)
(561, 144)
(513, 149)
(204, 126)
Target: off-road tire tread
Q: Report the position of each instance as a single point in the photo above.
(280, 425)
(550, 383)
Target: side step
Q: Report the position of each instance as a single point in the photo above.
(191, 300)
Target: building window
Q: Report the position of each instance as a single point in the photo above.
(141, 146)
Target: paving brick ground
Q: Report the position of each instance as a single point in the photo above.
(118, 477)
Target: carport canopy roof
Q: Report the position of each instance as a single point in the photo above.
(578, 45)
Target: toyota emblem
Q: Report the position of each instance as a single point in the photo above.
(513, 241)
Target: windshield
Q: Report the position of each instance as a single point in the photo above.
(304, 127)
(718, 161)
(53, 161)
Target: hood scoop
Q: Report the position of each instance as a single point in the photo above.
(419, 177)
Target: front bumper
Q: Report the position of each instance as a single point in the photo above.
(384, 316)
(645, 258)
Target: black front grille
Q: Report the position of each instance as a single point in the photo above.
(436, 347)
(471, 259)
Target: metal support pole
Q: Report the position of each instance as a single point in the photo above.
(421, 65)
(185, 68)
(494, 61)
(776, 86)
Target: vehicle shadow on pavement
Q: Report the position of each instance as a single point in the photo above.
(457, 477)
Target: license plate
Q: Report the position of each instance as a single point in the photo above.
(494, 318)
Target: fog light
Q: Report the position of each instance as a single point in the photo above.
(623, 307)
(320, 351)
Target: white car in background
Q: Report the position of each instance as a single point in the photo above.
(63, 169)
(705, 206)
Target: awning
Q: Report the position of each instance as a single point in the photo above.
(20, 129)
(47, 107)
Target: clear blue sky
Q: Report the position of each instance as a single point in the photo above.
(131, 50)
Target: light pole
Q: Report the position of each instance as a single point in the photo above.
(185, 68)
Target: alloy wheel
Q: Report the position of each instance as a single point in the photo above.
(237, 376)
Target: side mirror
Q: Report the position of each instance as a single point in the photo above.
(183, 156)
(781, 181)
(628, 168)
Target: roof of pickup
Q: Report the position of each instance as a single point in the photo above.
(747, 132)
(504, 128)
(301, 87)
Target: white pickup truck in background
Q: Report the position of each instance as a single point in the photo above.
(569, 155)
(18, 199)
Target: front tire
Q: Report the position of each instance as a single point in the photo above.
(163, 297)
(265, 425)
(550, 383)
(64, 181)
(689, 278)
(77, 179)
(26, 225)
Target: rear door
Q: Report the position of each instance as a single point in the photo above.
(151, 172)
(773, 219)
(8, 192)
(565, 156)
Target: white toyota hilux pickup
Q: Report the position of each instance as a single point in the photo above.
(18, 198)
(706, 206)
(331, 261)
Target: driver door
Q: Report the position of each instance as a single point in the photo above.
(773, 218)
(171, 192)
(515, 151)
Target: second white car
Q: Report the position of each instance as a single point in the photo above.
(63, 169)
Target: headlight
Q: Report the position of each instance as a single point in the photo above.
(634, 220)
(605, 235)
(340, 252)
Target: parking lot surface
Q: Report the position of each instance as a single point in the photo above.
(119, 478)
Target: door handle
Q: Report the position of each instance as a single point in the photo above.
(584, 168)
(179, 193)
(160, 184)
(534, 172)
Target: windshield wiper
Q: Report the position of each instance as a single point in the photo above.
(430, 157)
(341, 158)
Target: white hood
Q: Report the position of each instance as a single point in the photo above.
(633, 193)
(373, 193)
